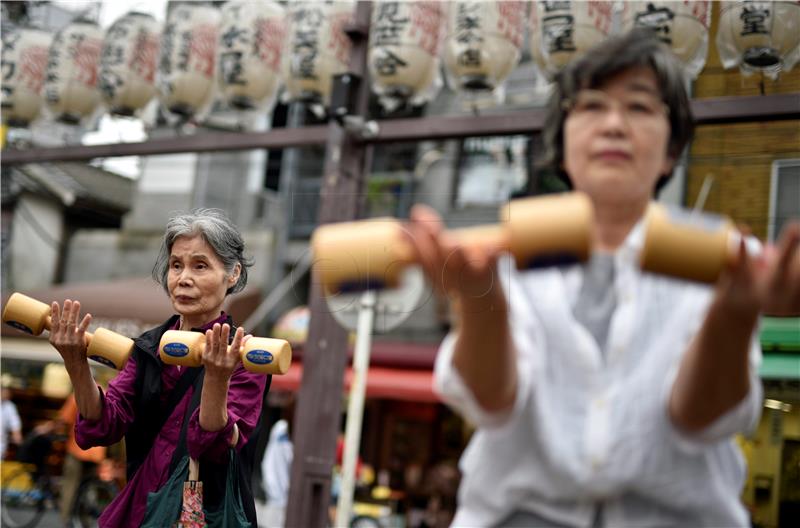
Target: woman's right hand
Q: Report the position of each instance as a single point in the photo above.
(67, 335)
(467, 275)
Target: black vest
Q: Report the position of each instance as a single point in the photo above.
(151, 414)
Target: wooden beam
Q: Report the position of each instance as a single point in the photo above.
(707, 111)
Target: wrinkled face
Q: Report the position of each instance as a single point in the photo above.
(197, 280)
(616, 138)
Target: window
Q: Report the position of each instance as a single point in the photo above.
(784, 200)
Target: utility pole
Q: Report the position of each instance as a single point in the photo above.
(318, 410)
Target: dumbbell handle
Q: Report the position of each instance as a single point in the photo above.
(476, 237)
(538, 231)
(33, 317)
(259, 354)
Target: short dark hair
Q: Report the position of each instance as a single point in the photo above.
(639, 47)
(218, 232)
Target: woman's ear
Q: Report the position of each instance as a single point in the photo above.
(233, 278)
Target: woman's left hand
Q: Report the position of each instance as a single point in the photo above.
(219, 359)
(779, 274)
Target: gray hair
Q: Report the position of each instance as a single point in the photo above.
(611, 57)
(218, 232)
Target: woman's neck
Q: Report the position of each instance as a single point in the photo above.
(187, 323)
(614, 222)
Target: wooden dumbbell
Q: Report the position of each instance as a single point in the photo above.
(259, 354)
(680, 244)
(538, 231)
(32, 316)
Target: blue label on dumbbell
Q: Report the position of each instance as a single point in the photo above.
(260, 357)
(176, 350)
(105, 361)
(19, 326)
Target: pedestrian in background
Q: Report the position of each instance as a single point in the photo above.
(10, 422)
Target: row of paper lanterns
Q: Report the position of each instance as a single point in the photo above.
(244, 52)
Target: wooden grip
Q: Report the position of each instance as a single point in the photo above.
(33, 317)
(259, 354)
(371, 254)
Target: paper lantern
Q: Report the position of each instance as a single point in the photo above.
(403, 56)
(250, 45)
(564, 30)
(128, 63)
(682, 25)
(187, 65)
(70, 86)
(24, 62)
(759, 36)
(483, 43)
(317, 48)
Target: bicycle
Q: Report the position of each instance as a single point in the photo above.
(28, 492)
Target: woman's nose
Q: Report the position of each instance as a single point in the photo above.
(614, 120)
(185, 276)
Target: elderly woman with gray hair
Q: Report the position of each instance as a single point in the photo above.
(154, 405)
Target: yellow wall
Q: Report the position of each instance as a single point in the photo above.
(739, 157)
(763, 453)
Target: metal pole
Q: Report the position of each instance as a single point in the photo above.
(318, 411)
(355, 408)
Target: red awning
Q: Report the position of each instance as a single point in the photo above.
(382, 382)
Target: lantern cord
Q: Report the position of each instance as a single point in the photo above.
(761, 84)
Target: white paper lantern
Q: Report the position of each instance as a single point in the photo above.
(403, 58)
(250, 46)
(187, 64)
(70, 87)
(317, 48)
(681, 24)
(563, 30)
(483, 43)
(128, 63)
(759, 36)
(24, 62)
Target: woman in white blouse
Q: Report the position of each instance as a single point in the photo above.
(604, 396)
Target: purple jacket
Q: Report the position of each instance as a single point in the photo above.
(119, 412)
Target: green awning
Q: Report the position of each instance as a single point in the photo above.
(780, 334)
(780, 340)
(780, 366)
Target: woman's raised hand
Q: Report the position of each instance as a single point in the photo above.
(67, 335)
(219, 359)
(464, 273)
(781, 274)
(769, 283)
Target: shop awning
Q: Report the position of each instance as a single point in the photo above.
(382, 382)
(780, 366)
(780, 334)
